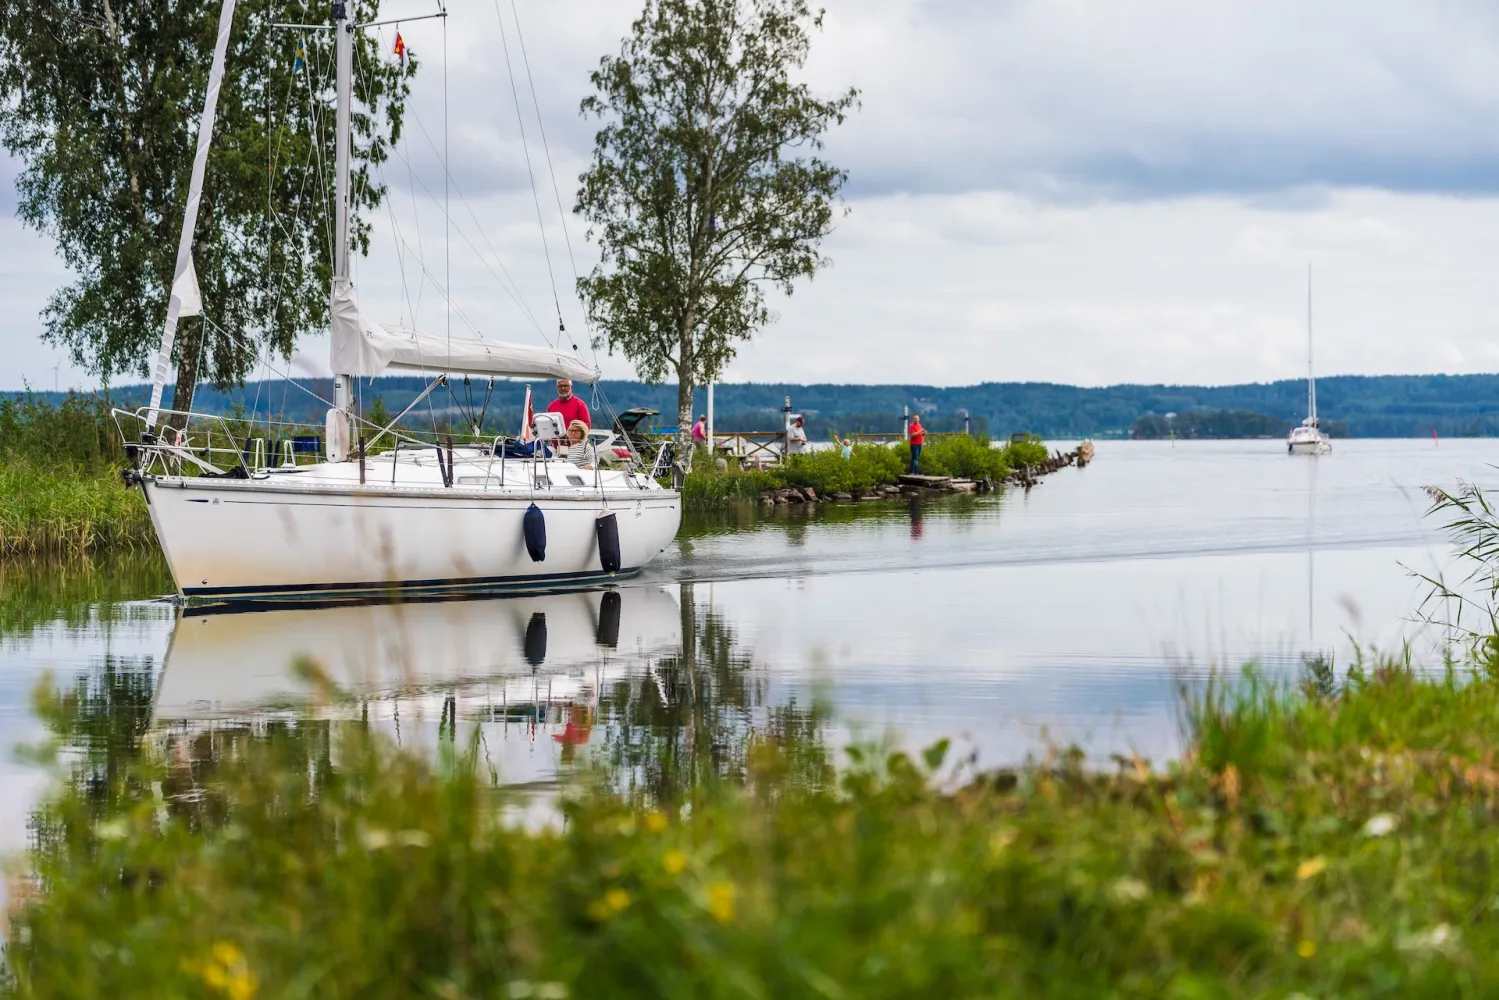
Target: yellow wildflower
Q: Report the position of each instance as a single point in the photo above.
(613, 902)
(1306, 948)
(655, 822)
(242, 986)
(215, 976)
(721, 901)
(674, 862)
(226, 953)
(1310, 868)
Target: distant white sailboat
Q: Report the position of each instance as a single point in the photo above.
(1308, 439)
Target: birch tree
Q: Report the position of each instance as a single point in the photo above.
(706, 185)
(99, 99)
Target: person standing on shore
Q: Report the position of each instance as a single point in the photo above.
(570, 406)
(700, 432)
(796, 437)
(917, 436)
(846, 448)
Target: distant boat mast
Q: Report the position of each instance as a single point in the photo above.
(1311, 380)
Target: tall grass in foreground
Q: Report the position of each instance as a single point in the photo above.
(1323, 841)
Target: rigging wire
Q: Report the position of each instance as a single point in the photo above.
(515, 295)
(526, 150)
(447, 239)
(551, 170)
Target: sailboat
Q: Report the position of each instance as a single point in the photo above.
(423, 516)
(1308, 439)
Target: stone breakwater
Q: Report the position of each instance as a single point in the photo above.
(1025, 476)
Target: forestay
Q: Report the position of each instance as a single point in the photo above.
(363, 348)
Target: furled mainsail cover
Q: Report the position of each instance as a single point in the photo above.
(364, 348)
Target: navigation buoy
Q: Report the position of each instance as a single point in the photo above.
(608, 532)
(535, 527)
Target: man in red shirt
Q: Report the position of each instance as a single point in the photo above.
(918, 438)
(570, 406)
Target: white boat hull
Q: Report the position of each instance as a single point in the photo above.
(1320, 447)
(227, 538)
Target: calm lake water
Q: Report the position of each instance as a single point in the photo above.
(1069, 614)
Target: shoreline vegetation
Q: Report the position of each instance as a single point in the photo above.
(871, 472)
(1221, 425)
(61, 493)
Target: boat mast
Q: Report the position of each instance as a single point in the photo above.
(344, 57)
(1311, 381)
(185, 299)
(343, 30)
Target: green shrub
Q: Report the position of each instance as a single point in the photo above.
(1030, 452)
(963, 456)
(827, 471)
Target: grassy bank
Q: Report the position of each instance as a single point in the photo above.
(869, 467)
(60, 486)
(67, 510)
(1332, 838)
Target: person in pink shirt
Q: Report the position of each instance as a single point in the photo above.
(570, 406)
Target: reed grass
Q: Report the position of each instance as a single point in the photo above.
(68, 510)
(60, 488)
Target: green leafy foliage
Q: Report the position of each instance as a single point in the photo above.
(827, 471)
(963, 456)
(102, 103)
(869, 466)
(702, 189)
(1031, 451)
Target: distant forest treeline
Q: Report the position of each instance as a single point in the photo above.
(1370, 406)
(1221, 424)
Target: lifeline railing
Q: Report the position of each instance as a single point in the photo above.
(205, 440)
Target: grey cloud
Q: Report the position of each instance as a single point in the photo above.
(1165, 98)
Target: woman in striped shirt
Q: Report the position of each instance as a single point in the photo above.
(580, 450)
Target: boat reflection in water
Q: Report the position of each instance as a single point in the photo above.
(529, 670)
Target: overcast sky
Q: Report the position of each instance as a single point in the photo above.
(1051, 190)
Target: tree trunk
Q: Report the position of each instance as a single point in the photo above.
(685, 384)
(684, 420)
(189, 344)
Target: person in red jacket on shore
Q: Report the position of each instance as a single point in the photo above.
(917, 435)
(570, 406)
